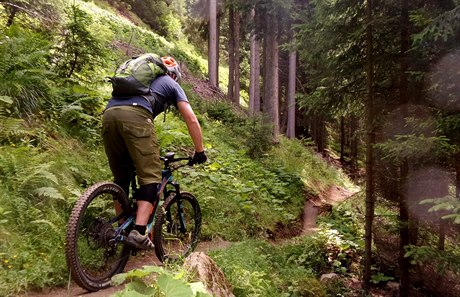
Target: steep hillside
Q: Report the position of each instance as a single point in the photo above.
(50, 152)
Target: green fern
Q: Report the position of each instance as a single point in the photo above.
(40, 175)
(49, 192)
(24, 70)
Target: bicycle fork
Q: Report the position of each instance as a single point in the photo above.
(180, 211)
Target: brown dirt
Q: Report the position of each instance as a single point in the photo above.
(324, 203)
(202, 87)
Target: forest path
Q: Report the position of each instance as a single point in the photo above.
(313, 207)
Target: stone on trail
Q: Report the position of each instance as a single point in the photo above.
(206, 271)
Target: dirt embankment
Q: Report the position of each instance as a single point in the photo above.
(322, 204)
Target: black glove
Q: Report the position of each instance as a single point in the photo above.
(198, 158)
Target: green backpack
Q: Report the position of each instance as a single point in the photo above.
(134, 76)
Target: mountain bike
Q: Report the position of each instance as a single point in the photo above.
(96, 247)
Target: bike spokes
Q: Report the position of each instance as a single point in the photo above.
(95, 252)
(179, 227)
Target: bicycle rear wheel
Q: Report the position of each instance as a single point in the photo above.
(178, 227)
(92, 255)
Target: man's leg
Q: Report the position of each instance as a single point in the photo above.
(139, 135)
(144, 210)
(146, 198)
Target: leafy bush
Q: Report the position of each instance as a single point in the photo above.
(222, 111)
(343, 232)
(155, 281)
(259, 141)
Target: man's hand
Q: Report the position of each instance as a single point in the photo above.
(198, 158)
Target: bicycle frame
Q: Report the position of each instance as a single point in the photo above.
(167, 179)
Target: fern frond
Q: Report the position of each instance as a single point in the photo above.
(49, 192)
(39, 176)
(42, 221)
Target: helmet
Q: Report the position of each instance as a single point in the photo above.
(173, 67)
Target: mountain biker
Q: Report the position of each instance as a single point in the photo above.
(130, 143)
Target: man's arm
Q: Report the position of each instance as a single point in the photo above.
(194, 128)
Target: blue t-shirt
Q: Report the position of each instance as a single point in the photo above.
(165, 90)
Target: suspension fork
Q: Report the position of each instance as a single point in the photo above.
(180, 209)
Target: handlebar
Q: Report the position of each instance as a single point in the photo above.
(169, 158)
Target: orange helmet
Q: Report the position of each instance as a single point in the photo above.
(173, 67)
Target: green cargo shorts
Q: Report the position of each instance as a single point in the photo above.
(131, 144)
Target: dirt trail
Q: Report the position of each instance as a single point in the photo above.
(325, 202)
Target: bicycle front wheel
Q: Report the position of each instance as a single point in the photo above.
(177, 228)
(93, 256)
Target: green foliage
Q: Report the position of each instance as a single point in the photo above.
(449, 204)
(10, 128)
(247, 189)
(24, 70)
(80, 112)
(342, 230)
(256, 268)
(416, 148)
(78, 49)
(165, 283)
(442, 259)
(247, 266)
(248, 197)
(30, 13)
(380, 278)
(38, 188)
(222, 111)
(259, 141)
(443, 27)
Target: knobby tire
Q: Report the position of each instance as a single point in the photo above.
(83, 222)
(170, 242)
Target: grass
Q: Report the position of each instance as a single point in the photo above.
(258, 268)
(38, 188)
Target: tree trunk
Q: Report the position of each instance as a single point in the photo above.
(342, 140)
(236, 43)
(318, 128)
(457, 178)
(73, 65)
(231, 53)
(404, 234)
(290, 133)
(254, 84)
(12, 14)
(354, 143)
(369, 147)
(212, 47)
(271, 79)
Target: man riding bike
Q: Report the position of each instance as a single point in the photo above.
(130, 143)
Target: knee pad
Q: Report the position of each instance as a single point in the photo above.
(147, 193)
(124, 185)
